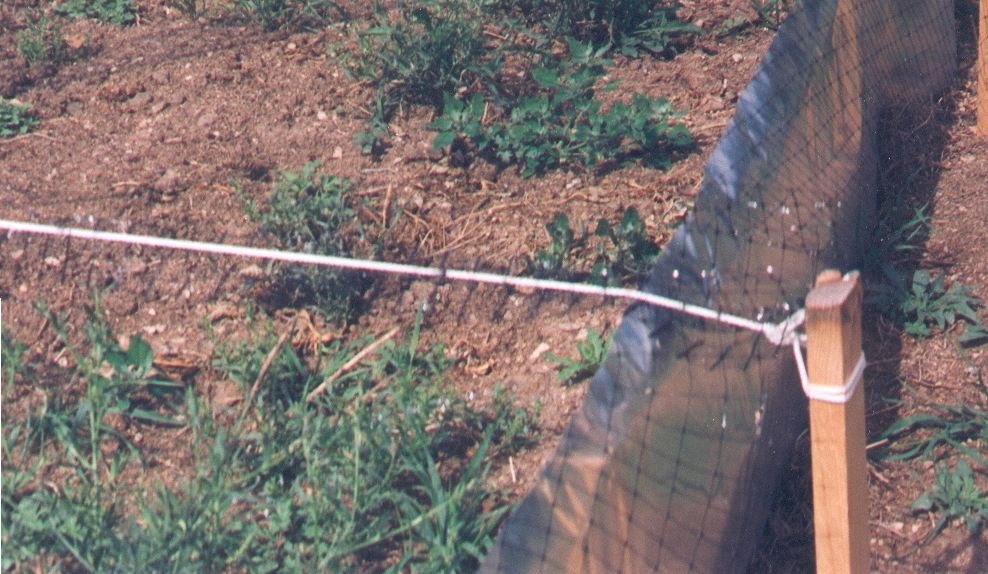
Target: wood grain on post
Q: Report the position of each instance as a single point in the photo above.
(837, 431)
(982, 69)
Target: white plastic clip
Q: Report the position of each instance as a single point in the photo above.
(827, 394)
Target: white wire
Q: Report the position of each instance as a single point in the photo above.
(778, 334)
(828, 394)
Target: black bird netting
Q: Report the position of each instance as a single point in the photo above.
(670, 464)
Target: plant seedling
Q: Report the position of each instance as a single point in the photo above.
(592, 351)
(955, 495)
(14, 118)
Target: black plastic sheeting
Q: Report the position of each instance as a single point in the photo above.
(670, 464)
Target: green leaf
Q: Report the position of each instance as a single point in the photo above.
(545, 77)
(443, 139)
(924, 502)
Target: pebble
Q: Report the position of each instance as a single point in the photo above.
(738, 58)
(167, 182)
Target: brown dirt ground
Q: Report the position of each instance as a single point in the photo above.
(158, 128)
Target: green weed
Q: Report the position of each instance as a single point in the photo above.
(376, 467)
(732, 26)
(955, 495)
(119, 12)
(313, 213)
(592, 351)
(41, 40)
(14, 118)
(14, 363)
(275, 15)
(554, 261)
(621, 253)
(930, 302)
(771, 13)
(565, 125)
(190, 8)
(386, 469)
(419, 52)
(79, 432)
(955, 426)
(626, 25)
(627, 250)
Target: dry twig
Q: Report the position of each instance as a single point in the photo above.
(350, 364)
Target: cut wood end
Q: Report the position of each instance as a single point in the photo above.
(830, 292)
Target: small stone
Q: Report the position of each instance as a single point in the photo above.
(16, 255)
(167, 182)
(23, 288)
(53, 262)
(542, 348)
(175, 99)
(153, 329)
(337, 152)
(738, 58)
(321, 116)
(252, 272)
(138, 102)
(291, 47)
(206, 119)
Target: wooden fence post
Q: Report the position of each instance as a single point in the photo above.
(837, 431)
(981, 67)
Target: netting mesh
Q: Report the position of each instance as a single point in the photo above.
(670, 463)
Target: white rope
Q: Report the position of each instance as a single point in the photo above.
(778, 334)
(825, 393)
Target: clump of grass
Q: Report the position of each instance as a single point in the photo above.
(616, 254)
(627, 25)
(384, 470)
(313, 212)
(41, 40)
(79, 432)
(565, 124)
(119, 12)
(275, 15)
(417, 53)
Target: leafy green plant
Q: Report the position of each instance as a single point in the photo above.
(627, 25)
(119, 12)
(79, 432)
(565, 125)
(930, 302)
(387, 469)
(41, 40)
(289, 14)
(732, 26)
(627, 249)
(418, 53)
(955, 495)
(553, 261)
(14, 118)
(313, 213)
(592, 351)
(942, 426)
(771, 13)
(375, 464)
(190, 8)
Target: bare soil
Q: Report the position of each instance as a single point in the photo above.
(163, 128)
